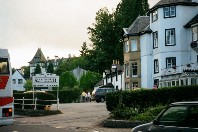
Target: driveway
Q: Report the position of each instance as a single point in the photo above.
(76, 117)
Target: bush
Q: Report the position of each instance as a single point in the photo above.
(68, 96)
(123, 113)
(149, 114)
(41, 102)
(146, 98)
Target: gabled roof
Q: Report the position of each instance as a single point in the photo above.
(137, 26)
(192, 21)
(38, 57)
(19, 73)
(163, 3)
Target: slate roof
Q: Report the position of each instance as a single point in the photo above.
(163, 3)
(138, 26)
(192, 21)
(38, 57)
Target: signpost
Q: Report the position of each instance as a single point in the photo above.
(46, 80)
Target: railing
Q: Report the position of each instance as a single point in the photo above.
(179, 69)
(35, 104)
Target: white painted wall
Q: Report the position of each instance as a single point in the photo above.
(17, 86)
(120, 81)
(182, 50)
(146, 61)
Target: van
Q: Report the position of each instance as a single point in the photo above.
(100, 93)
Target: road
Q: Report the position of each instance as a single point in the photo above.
(76, 117)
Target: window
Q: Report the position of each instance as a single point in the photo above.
(197, 58)
(155, 40)
(193, 117)
(156, 83)
(134, 85)
(14, 81)
(169, 12)
(134, 69)
(170, 62)
(133, 45)
(20, 81)
(170, 37)
(173, 84)
(4, 67)
(154, 16)
(174, 116)
(127, 70)
(156, 66)
(126, 46)
(195, 33)
(193, 81)
(127, 85)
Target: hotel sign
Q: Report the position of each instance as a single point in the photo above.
(45, 80)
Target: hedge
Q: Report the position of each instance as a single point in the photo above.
(68, 96)
(41, 102)
(145, 98)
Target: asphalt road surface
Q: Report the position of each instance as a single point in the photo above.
(76, 117)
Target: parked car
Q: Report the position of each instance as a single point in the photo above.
(177, 117)
(100, 94)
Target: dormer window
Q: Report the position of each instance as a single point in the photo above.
(169, 12)
(195, 33)
(154, 16)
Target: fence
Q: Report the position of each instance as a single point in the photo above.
(34, 104)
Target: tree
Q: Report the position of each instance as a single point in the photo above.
(106, 33)
(71, 64)
(28, 85)
(50, 68)
(26, 70)
(84, 50)
(37, 70)
(13, 70)
(89, 80)
(67, 80)
(103, 41)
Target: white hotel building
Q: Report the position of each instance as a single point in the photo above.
(168, 46)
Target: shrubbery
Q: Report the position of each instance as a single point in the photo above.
(139, 101)
(41, 102)
(65, 96)
(68, 96)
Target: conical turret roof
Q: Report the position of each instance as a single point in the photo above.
(38, 57)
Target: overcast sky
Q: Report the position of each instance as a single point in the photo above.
(58, 27)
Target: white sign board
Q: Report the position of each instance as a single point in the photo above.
(45, 80)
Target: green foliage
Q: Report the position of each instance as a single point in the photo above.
(50, 68)
(28, 85)
(143, 99)
(71, 64)
(84, 50)
(88, 80)
(37, 70)
(41, 103)
(105, 34)
(67, 80)
(13, 70)
(26, 70)
(149, 114)
(123, 113)
(68, 96)
(102, 37)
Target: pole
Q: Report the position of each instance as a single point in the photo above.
(57, 98)
(33, 95)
